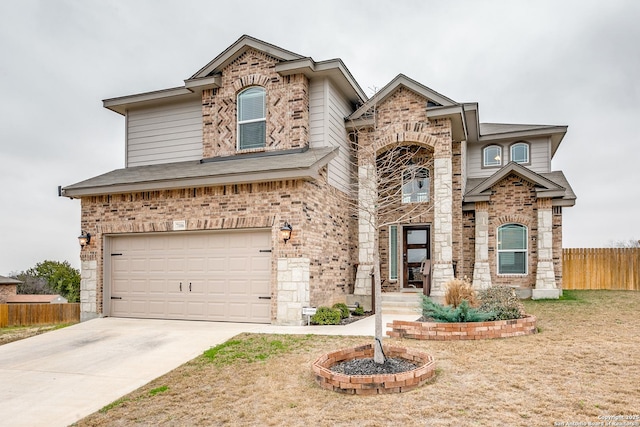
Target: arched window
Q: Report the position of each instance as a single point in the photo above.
(512, 249)
(520, 152)
(492, 156)
(252, 121)
(415, 185)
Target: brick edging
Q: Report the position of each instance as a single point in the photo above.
(373, 384)
(462, 331)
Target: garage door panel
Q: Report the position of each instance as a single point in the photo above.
(226, 270)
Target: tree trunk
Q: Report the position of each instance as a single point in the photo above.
(378, 354)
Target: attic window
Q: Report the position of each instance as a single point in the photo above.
(492, 156)
(252, 121)
(432, 104)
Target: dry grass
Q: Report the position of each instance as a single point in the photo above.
(584, 363)
(16, 333)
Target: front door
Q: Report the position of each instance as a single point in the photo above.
(416, 249)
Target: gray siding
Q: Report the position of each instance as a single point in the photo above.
(539, 153)
(327, 110)
(164, 134)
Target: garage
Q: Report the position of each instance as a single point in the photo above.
(215, 276)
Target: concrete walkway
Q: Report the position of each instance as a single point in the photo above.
(57, 378)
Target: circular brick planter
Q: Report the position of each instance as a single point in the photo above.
(373, 384)
(462, 331)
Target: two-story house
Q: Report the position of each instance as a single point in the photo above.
(234, 202)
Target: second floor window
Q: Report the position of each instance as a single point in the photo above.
(520, 152)
(415, 185)
(252, 120)
(492, 156)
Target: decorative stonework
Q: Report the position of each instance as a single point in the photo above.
(373, 384)
(545, 274)
(462, 331)
(443, 226)
(292, 290)
(88, 289)
(481, 269)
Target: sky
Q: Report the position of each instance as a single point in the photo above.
(574, 63)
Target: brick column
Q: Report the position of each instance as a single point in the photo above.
(481, 269)
(545, 275)
(443, 224)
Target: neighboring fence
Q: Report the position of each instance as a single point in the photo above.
(38, 314)
(610, 268)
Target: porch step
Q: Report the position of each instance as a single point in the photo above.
(401, 303)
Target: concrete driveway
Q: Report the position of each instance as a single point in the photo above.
(57, 378)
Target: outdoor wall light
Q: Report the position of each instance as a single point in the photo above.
(84, 238)
(285, 232)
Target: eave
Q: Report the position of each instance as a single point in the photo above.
(195, 174)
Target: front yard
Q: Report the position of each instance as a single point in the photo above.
(583, 365)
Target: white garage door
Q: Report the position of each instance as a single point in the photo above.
(218, 276)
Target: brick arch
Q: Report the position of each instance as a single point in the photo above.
(250, 80)
(513, 219)
(414, 133)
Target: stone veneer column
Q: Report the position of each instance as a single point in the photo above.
(545, 275)
(292, 290)
(366, 228)
(481, 269)
(443, 225)
(88, 289)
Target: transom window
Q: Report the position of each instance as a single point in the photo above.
(520, 152)
(512, 249)
(415, 185)
(252, 121)
(492, 156)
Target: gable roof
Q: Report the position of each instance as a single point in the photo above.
(401, 81)
(208, 77)
(552, 184)
(238, 169)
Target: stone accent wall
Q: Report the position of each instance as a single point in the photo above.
(287, 100)
(292, 289)
(481, 269)
(7, 291)
(320, 220)
(513, 200)
(545, 274)
(557, 244)
(88, 289)
(442, 255)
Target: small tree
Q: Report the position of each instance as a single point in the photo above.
(60, 277)
(629, 243)
(31, 285)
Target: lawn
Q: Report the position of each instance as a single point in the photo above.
(583, 365)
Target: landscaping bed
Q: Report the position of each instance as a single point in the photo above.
(439, 331)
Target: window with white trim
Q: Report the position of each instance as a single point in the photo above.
(415, 185)
(393, 252)
(520, 152)
(512, 249)
(492, 156)
(252, 119)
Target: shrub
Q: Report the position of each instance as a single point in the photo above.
(344, 310)
(459, 290)
(502, 301)
(359, 311)
(462, 313)
(326, 316)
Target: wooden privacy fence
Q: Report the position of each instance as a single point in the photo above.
(609, 268)
(38, 314)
